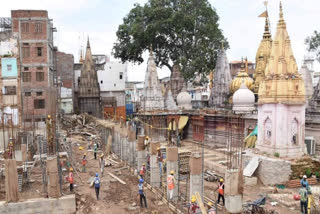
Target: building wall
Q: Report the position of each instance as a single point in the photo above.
(113, 77)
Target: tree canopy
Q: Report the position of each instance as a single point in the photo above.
(313, 44)
(181, 32)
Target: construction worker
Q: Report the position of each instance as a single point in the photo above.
(10, 147)
(84, 162)
(211, 208)
(141, 193)
(142, 170)
(160, 160)
(193, 207)
(97, 185)
(303, 199)
(221, 191)
(102, 164)
(71, 179)
(304, 181)
(146, 143)
(171, 184)
(95, 149)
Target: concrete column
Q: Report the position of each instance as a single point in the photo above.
(196, 178)
(233, 190)
(172, 165)
(154, 166)
(131, 147)
(141, 154)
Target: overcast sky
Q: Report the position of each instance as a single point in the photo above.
(75, 19)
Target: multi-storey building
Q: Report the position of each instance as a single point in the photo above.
(34, 31)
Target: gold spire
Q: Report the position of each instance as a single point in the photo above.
(242, 76)
(282, 82)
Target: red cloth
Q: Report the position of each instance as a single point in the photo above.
(296, 197)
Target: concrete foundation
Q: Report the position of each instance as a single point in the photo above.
(63, 205)
(233, 203)
(141, 154)
(196, 178)
(154, 172)
(172, 165)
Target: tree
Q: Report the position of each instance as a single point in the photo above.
(313, 44)
(180, 32)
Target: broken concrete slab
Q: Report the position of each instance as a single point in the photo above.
(251, 167)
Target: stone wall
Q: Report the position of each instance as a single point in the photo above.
(271, 171)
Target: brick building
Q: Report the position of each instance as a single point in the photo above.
(35, 30)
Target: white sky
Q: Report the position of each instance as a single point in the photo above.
(75, 19)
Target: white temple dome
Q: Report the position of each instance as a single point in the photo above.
(184, 100)
(243, 100)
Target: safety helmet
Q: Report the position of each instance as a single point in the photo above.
(97, 174)
(304, 176)
(221, 180)
(193, 199)
(49, 116)
(71, 169)
(85, 154)
(172, 172)
(147, 137)
(210, 204)
(158, 148)
(143, 164)
(101, 155)
(141, 180)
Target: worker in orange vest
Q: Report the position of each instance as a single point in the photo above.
(221, 191)
(84, 162)
(142, 170)
(170, 183)
(71, 179)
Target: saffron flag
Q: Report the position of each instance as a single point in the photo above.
(264, 14)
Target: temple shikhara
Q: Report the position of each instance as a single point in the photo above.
(196, 126)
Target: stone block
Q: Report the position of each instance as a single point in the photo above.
(172, 154)
(140, 143)
(195, 164)
(233, 203)
(250, 181)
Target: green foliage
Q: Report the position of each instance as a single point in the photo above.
(181, 32)
(276, 154)
(313, 44)
(317, 174)
(308, 172)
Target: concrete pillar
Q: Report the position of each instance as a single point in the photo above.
(196, 178)
(172, 165)
(131, 146)
(154, 166)
(233, 190)
(141, 154)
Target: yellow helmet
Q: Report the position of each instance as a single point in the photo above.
(71, 169)
(158, 148)
(143, 164)
(147, 137)
(171, 172)
(49, 116)
(210, 204)
(221, 180)
(85, 154)
(101, 155)
(193, 199)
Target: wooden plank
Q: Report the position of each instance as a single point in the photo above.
(200, 203)
(115, 177)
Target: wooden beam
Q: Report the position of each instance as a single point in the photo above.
(115, 177)
(200, 203)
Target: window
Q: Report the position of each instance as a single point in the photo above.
(26, 76)
(25, 52)
(39, 76)
(39, 104)
(27, 94)
(101, 81)
(39, 51)
(10, 90)
(25, 27)
(38, 27)
(26, 68)
(40, 68)
(9, 67)
(121, 74)
(114, 85)
(39, 93)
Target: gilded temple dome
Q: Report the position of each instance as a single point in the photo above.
(242, 76)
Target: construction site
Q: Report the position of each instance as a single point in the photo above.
(81, 138)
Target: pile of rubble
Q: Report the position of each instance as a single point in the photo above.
(79, 125)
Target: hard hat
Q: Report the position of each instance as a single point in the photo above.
(101, 155)
(143, 164)
(193, 200)
(304, 176)
(210, 204)
(49, 116)
(172, 172)
(71, 169)
(158, 148)
(85, 154)
(97, 174)
(141, 180)
(60, 156)
(221, 180)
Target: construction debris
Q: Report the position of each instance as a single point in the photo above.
(115, 177)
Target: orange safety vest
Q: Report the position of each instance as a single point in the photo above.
(170, 182)
(142, 170)
(221, 190)
(71, 178)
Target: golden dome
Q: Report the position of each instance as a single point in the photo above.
(241, 76)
